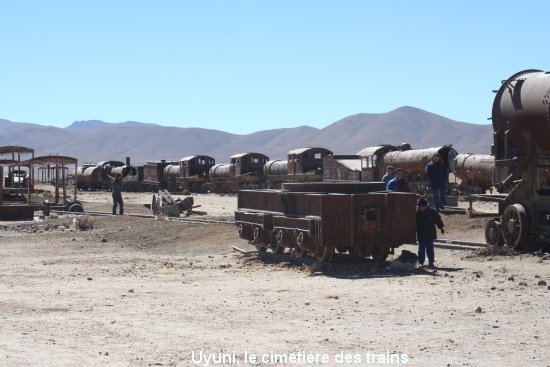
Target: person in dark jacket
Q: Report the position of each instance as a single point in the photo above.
(436, 174)
(427, 219)
(116, 191)
(398, 183)
(389, 175)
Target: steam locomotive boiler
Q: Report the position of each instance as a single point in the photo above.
(521, 124)
(413, 163)
(477, 172)
(97, 176)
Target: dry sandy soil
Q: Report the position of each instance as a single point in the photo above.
(143, 292)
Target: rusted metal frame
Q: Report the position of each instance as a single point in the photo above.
(302, 224)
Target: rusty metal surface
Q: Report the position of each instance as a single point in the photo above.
(476, 169)
(342, 168)
(221, 170)
(332, 187)
(249, 154)
(521, 106)
(377, 150)
(52, 159)
(196, 165)
(305, 160)
(172, 170)
(276, 167)
(153, 171)
(366, 224)
(9, 149)
(16, 211)
(414, 161)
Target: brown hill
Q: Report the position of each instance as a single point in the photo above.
(93, 141)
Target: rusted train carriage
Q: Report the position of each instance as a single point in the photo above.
(302, 165)
(194, 172)
(521, 124)
(317, 218)
(245, 170)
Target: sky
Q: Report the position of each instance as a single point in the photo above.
(241, 66)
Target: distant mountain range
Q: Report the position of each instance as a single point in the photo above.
(94, 141)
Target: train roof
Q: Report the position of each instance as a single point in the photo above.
(111, 163)
(304, 150)
(189, 157)
(240, 155)
(368, 151)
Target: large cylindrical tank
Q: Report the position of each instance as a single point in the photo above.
(172, 171)
(221, 171)
(413, 162)
(123, 170)
(276, 167)
(475, 169)
(89, 177)
(521, 114)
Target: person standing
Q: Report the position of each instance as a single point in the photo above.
(436, 173)
(398, 183)
(427, 219)
(389, 175)
(116, 191)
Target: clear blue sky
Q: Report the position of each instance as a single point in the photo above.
(242, 66)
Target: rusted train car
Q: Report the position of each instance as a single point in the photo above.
(318, 218)
(245, 170)
(521, 124)
(194, 172)
(302, 165)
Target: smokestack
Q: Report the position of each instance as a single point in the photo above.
(127, 161)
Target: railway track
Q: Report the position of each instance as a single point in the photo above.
(441, 243)
(149, 216)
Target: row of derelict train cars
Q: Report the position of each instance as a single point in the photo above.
(319, 203)
(200, 174)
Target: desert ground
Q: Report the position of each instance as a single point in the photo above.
(133, 291)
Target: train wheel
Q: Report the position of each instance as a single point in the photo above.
(278, 246)
(514, 226)
(380, 252)
(261, 248)
(493, 234)
(325, 253)
(76, 208)
(299, 252)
